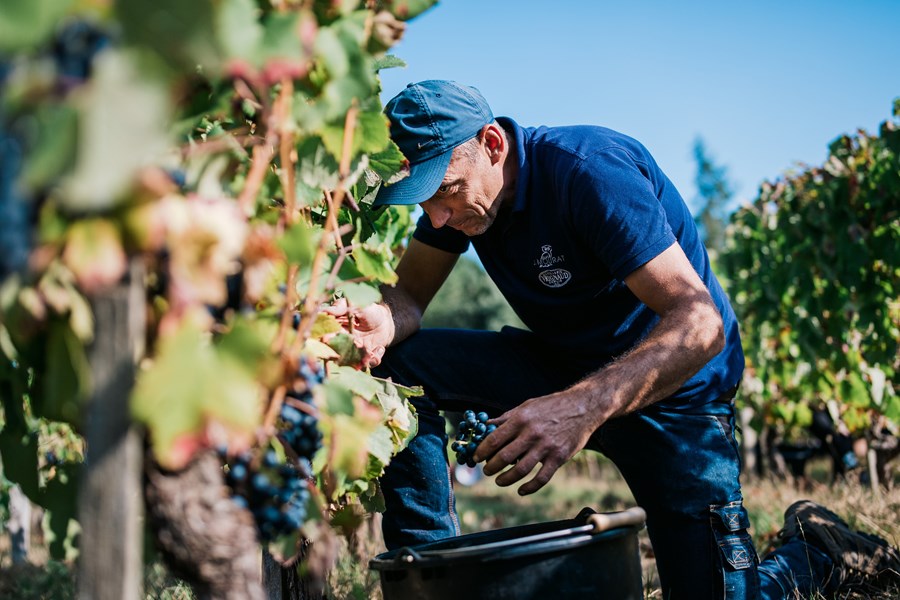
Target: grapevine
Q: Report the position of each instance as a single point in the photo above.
(247, 204)
(813, 270)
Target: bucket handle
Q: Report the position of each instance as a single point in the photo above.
(606, 521)
(594, 523)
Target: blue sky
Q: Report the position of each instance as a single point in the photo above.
(766, 84)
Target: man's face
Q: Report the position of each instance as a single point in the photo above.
(469, 196)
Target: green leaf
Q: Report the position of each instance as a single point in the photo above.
(338, 398)
(855, 392)
(54, 147)
(66, 381)
(348, 456)
(381, 446)
(324, 325)
(318, 169)
(26, 24)
(349, 353)
(389, 164)
(299, 243)
(281, 39)
(373, 498)
(120, 105)
(238, 30)
(389, 61)
(408, 9)
(375, 262)
(359, 382)
(211, 387)
(360, 294)
(60, 499)
(370, 134)
(181, 33)
(19, 449)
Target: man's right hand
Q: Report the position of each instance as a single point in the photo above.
(372, 328)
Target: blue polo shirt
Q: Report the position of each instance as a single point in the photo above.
(591, 206)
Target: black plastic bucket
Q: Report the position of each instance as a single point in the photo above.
(594, 555)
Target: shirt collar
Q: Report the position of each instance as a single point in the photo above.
(518, 134)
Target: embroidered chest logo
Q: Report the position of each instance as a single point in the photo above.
(551, 277)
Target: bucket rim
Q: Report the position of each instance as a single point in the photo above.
(425, 555)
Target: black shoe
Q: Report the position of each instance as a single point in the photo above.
(861, 561)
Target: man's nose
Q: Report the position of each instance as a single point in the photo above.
(439, 215)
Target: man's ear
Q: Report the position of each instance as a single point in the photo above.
(494, 141)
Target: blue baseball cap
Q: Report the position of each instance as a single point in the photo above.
(428, 120)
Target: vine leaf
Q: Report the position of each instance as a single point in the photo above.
(299, 243)
(26, 24)
(94, 254)
(119, 106)
(408, 9)
(214, 392)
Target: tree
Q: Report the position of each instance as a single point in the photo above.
(469, 300)
(714, 192)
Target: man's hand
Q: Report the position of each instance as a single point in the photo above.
(372, 328)
(548, 430)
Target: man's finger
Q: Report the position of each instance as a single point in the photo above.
(518, 471)
(507, 455)
(548, 469)
(493, 442)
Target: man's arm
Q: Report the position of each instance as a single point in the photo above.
(551, 429)
(421, 272)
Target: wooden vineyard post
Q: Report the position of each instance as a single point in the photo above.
(285, 583)
(110, 502)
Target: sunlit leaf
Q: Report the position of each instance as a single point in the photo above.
(122, 117)
(24, 25)
(407, 9)
(212, 388)
(359, 294)
(299, 243)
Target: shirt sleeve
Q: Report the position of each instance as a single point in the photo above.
(615, 207)
(445, 238)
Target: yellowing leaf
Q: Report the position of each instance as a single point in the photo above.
(189, 386)
(94, 254)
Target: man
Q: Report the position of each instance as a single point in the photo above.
(633, 348)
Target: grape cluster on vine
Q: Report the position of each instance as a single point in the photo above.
(299, 425)
(471, 431)
(276, 490)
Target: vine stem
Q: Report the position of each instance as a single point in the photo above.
(313, 298)
(272, 412)
(288, 157)
(286, 149)
(260, 161)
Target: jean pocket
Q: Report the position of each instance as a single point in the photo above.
(738, 559)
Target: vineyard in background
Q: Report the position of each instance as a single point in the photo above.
(813, 266)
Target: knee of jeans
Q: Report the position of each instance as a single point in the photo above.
(737, 559)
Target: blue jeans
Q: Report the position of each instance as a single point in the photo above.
(682, 467)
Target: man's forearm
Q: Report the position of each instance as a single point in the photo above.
(405, 313)
(680, 344)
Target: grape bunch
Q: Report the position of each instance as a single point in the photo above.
(276, 493)
(14, 214)
(472, 429)
(275, 490)
(300, 426)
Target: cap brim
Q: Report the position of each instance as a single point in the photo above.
(423, 181)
